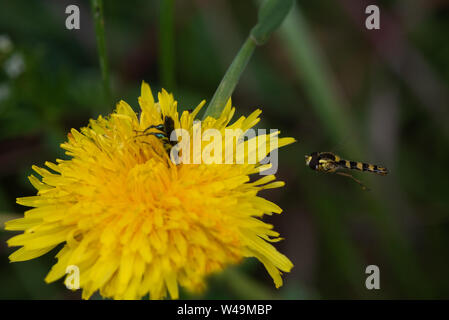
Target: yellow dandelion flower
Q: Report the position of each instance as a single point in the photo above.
(133, 222)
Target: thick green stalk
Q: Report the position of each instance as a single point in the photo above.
(166, 45)
(270, 16)
(230, 79)
(97, 10)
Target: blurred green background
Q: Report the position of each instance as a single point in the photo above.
(377, 96)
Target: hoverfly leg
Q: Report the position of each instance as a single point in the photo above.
(159, 127)
(356, 180)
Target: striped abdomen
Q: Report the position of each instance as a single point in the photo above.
(355, 165)
(318, 157)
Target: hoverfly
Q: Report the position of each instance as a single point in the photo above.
(329, 162)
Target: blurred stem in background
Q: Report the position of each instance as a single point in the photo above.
(348, 261)
(315, 76)
(166, 58)
(270, 16)
(97, 11)
(320, 85)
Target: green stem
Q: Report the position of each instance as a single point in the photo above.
(270, 16)
(166, 45)
(97, 10)
(230, 79)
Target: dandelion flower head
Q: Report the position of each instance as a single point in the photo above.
(136, 224)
